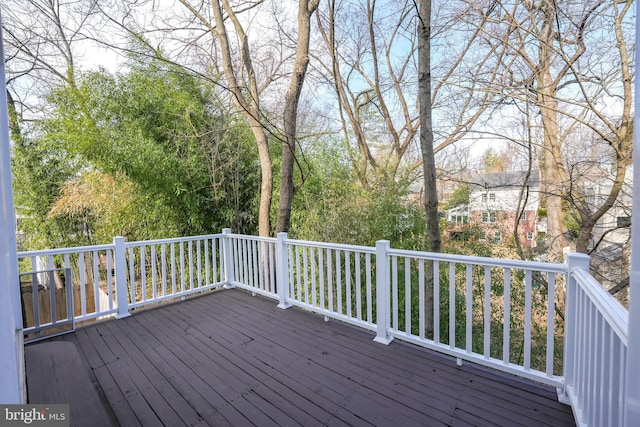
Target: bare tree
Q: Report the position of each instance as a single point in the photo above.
(614, 130)
(361, 72)
(569, 78)
(247, 101)
(42, 39)
(426, 147)
(306, 9)
(247, 85)
(371, 67)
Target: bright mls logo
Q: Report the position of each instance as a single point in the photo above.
(36, 415)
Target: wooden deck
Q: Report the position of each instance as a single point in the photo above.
(231, 359)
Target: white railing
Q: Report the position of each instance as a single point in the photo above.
(596, 350)
(506, 314)
(113, 279)
(334, 280)
(92, 276)
(252, 263)
(158, 270)
(498, 313)
(48, 311)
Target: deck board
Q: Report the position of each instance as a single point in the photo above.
(228, 358)
(59, 375)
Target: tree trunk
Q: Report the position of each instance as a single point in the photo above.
(14, 122)
(249, 108)
(291, 99)
(428, 156)
(266, 183)
(552, 172)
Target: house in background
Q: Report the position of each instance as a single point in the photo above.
(614, 227)
(496, 200)
(609, 244)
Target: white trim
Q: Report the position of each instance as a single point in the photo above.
(632, 400)
(12, 380)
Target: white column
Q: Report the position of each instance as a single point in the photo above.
(383, 289)
(227, 255)
(632, 370)
(576, 260)
(12, 388)
(122, 290)
(282, 271)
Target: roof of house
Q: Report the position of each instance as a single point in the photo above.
(504, 180)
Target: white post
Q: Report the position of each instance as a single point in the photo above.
(12, 379)
(122, 290)
(282, 271)
(632, 370)
(575, 261)
(227, 255)
(383, 288)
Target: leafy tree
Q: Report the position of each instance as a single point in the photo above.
(459, 197)
(333, 206)
(160, 135)
(39, 170)
(492, 162)
(110, 206)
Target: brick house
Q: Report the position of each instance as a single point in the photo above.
(495, 201)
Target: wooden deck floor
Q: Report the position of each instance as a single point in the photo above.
(230, 359)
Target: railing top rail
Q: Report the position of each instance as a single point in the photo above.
(63, 251)
(48, 270)
(172, 240)
(341, 246)
(614, 313)
(255, 238)
(491, 262)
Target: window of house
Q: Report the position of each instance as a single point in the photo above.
(482, 235)
(460, 219)
(623, 221)
(530, 235)
(488, 217)
(523, 216)
(492, 197)
(484, 198)
(497, 236)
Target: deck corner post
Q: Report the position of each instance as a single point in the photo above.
(122, 290)
(282, 271)
(227, 255)
(575, 261)
(383, 289)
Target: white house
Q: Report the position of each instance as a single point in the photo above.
(614, 227)
(496, 200)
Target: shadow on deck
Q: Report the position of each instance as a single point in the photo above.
(227, 358)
